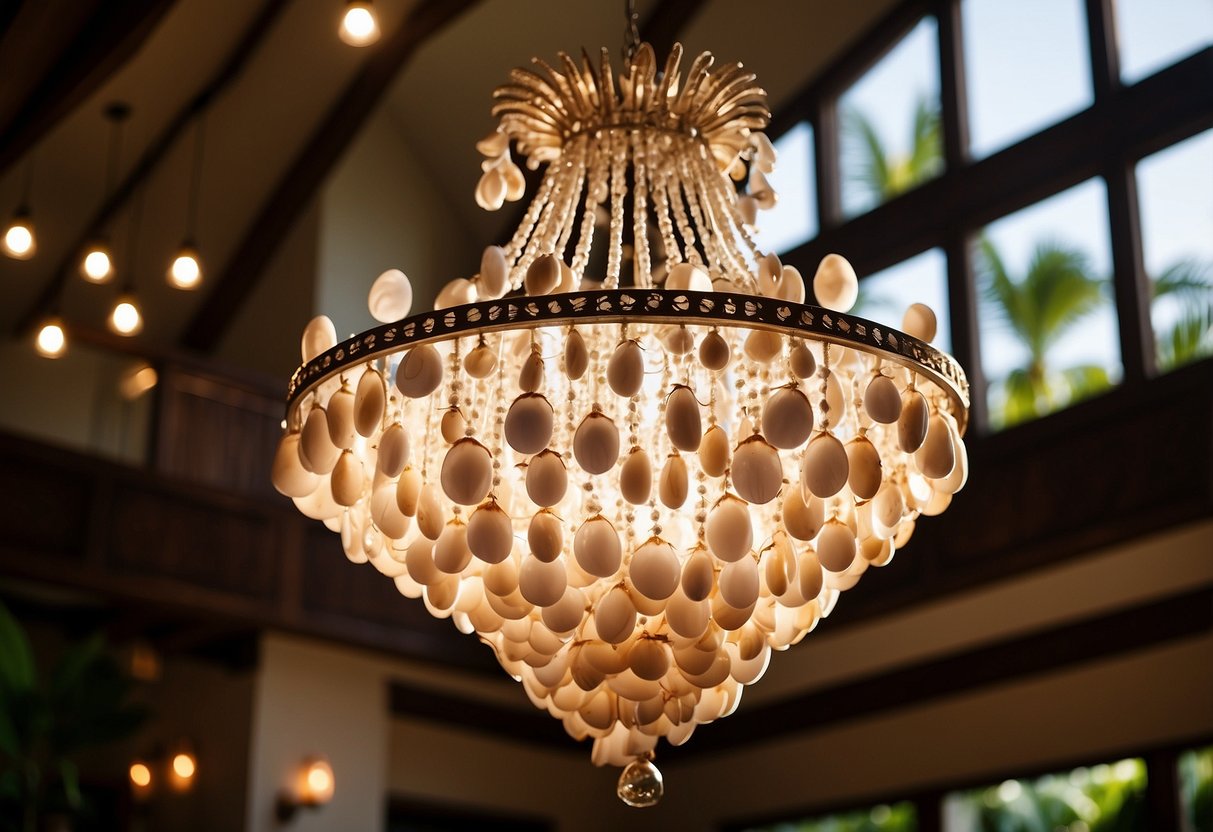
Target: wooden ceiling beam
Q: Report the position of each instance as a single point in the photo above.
(666, 22)
(299, 184)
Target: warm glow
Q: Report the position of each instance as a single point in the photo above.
(98, 266)
(19, 240)
(126, 319)
(184, 766)
(51, 341)
(186, 270)
(359, 25)
(141, 775)
(317, 783)
(134, 383)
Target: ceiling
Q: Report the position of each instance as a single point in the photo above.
(294, 73)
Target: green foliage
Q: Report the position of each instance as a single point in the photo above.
(1190, 283)
(1196, 789)
(45, 722)
(879, 175)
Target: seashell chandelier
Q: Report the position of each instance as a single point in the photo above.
(626, 454)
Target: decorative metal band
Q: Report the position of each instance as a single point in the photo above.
(647, 306)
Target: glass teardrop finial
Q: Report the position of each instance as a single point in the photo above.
(640, 784)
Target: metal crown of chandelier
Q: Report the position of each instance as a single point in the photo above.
(633, 493)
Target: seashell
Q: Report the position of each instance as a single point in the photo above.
(739, 583)
(369, 402)
(545, 536)
(790, 286)
(420, 372)
(688, 619)
(834, 407)
(802, 518)
(756, 471)
(546, 479)
(596, 443)
(636, 477)
(748, 207)
(565, 614)
(673, 485)
(766, 155)
(654, 569)
(494, 272)
(760, 189)
(615, 616)
(808, 573)
(835, 546)
(597, 548)
(568, 279)
(959, 475)
(801, 360)
(530, 377)
(714, 351)
(688, 277)
(824, 470)
(515, 182)
(762, 345)
(419, 561)
(714, 452)
(769, 272)
(490, 533)
(452, 426)
(728, 617)
(542, 584)
(290, 478)
(480, 362)
(625, 370)
(649, 659)
(494, 144)
(787, 418)
(408, 492)
(913, 422)
(937, 457)
(881, 401)
(391, 297)
(888, 506)
(542, 276)
(576, 356)
(456, 293)
(863, 468)
(348, 479)
(491, 189)
(384, 512)
(430, 516)
(835, 285)
(501, 578)
(729, 530)
(598, 712)
(451, 552)
(682, 421)
(678, 340)
(920, 322)
(779, 563)
(528, 423)
(317, 453)
(467, 472)
(340, 418)
(319, 336)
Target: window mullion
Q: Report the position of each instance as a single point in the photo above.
(1130, 284)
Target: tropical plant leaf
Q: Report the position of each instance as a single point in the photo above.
(1086, 381)
(1189, 279)
(1190, 338)
(17, 672)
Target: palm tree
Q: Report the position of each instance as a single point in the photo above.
(878, 175)
(1055, 293)
(1190, 282)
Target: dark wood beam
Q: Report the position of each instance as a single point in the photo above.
(522, 724)
(55, 53)
(236, 61)
(666, 22)
(299, 184)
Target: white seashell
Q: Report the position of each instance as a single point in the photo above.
(673, 485)
(490, 533)
(408, 491)
(494, 144)
(348, 479)
(802, 518)
(576, 356)
(728, 617)
(835, 285)
(419, 560)
(515, 182)
(420, 372)
(920, 322)
(319, 336)
(678, 340)
(494, 272)
(528, 423)
(714, 452)
(937, 457)
(530, 377)
(568, 279)
(808, 573)
(739, 583)
(762, 345)
(391, 297)
(625, 370)
(698, 575)
(597, 548)
(888, 506)
(430, 516)
(456, 293)
(787, 418)
(654, 570)
(542, 275)
(480, 362)
(545, 536)
(615, 616)
(340, 417)
(881, 401)
(770, 269)
(824, 470)
(369, 402)
(546, 479)
(801, 361)
(636, 477)
(650, 659)
(913, 422)
(863, 468)
(714, 351)
(779, 565)
(959, 476)
(384, 512)
(452, 426)
(766, 154)
(760, 189)
(491, 189)
(565, 614)
(596, 443)
(682, 420)
(790, 286)
(317, 453)
(451, 552)
(688, 277)
(290, 478)
(756, 471)
(501, 578)
(542, 584)
(467, 472)
(729, 530)
(688, 619)
(835, 546)
(748, 207)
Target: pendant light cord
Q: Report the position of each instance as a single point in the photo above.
(191, 218)
(128, 285)
(117, 117)
(27, 186)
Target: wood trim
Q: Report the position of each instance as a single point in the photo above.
(460, 817)
(666, 21)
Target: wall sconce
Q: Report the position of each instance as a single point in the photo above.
(140, 774)
(314, 785)
(177, 766)
(183, 766)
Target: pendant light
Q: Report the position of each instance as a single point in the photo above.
(19, 241)
(125, 317)
(97, 261)
(185, 272)
(359, 23)
(51, 340)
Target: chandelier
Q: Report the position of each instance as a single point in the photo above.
(626, 454)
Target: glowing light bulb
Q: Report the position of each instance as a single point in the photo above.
(184, 766)
(141, 775)
(133, 383)
(359, 25)
(19, 242)
(97, 266)
(186, 269)
(126, 319)
(51, 341)
(318, 783)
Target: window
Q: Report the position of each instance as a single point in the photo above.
(898, 817)
(1153, 35)
(1177, 245)
(885, 295)
(1048, 328)
(1196, 790)
(889, 121)
(1027, 65)
(793, 220)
